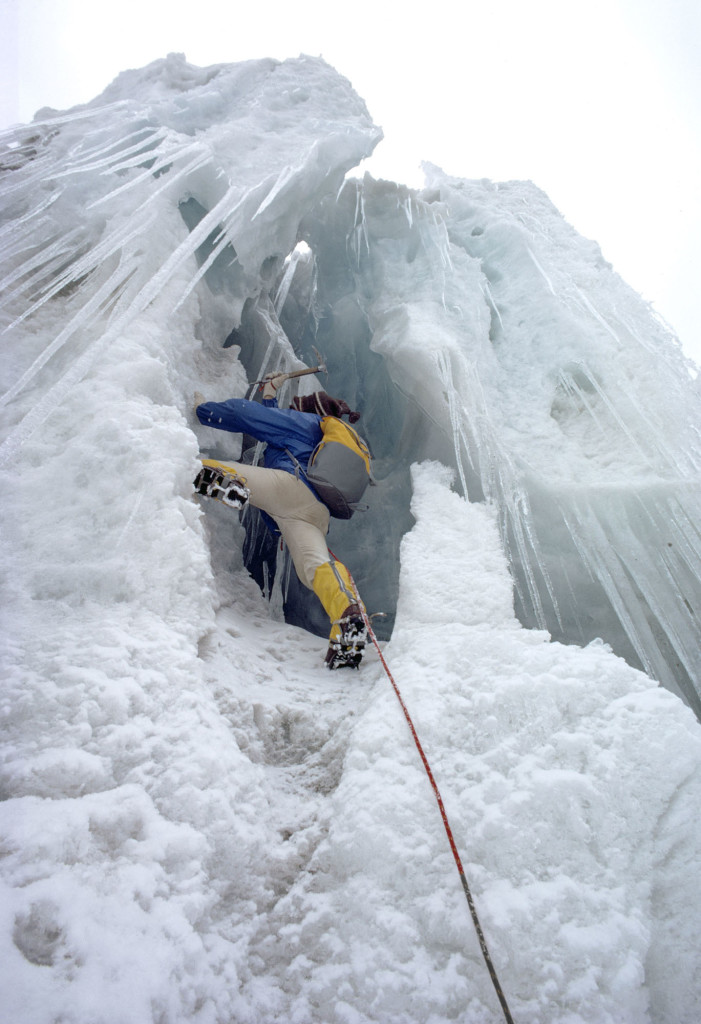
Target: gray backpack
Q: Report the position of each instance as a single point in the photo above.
(339, 468)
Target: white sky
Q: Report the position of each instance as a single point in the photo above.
(596, 101)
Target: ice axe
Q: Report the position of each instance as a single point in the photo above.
(320, 368)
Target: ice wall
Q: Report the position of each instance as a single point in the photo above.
(468, 321)
(199, 822)
(530, 366)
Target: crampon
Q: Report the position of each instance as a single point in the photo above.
(346, 650)
(225, 487)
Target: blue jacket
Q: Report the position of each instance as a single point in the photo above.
(298, 432)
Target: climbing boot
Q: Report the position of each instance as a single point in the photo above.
(215, 482)
(347, 645)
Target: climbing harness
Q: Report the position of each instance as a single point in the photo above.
(446, 824)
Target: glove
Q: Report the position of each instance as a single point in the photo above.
(199, 399)
(272, 382)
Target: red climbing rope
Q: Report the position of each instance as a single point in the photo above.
(444, 816)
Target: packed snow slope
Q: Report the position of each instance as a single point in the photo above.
(201, 824)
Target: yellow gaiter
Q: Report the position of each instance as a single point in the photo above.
(334, 589)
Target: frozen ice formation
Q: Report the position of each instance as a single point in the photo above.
(200, 823)
(468, 319)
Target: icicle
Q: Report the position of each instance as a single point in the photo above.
(85, 314)
(286, 174)
(84, 152)
(114, 161)
(459, 443)
(286, 282)
(408, 211)
(360, 232)
(46, 262)
(11, 447)
(87, 263)
(586, 304)
(487, 291)
(222, 244)
(202, 158)
(574, 388)
(541, 270)
(605, 565)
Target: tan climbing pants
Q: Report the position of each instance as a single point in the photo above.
(303, 522)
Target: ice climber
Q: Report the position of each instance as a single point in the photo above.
(280, 489)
